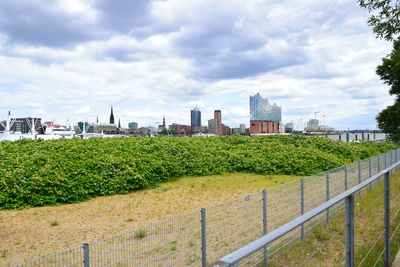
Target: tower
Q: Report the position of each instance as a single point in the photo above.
(163, 123)
(112, 116)
(195, 117)
(119, 123)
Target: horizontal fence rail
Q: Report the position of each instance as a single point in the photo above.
(215, 233)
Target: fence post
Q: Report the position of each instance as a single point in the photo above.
(369, 168)
(203, 238)
(302, 205)
(327, 196)
(265, 223)
(359, 172)
(385, 160)
(350, 231)
(86, 255)
(345, 178)
(379, 167)
(387, 220)
(391, 157)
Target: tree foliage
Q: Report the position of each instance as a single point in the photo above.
(389, 121)
(389, 72)
(385, 18)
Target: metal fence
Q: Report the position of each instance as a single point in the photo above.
(203, 237)
(355, 137)
(256, 252)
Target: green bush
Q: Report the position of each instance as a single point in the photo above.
(38, 173)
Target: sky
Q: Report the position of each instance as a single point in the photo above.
(73, 59)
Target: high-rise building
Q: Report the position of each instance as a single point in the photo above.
(264, 117)
(215, 126)
(195, 119)
(112, 116)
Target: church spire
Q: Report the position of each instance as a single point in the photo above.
(112, 116)
(119, 123)
(163, 122)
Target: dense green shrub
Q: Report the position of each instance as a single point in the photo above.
(37, 173)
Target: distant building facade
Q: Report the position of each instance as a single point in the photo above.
(23, 125)
(264, 117)
(195, 120)
(289, 127)
(215, 125)
(133, 125)
(312, 125)
(242, 128)
(262, 110)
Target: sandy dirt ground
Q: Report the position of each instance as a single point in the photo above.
(34, 232)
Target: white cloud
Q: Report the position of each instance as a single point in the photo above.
(83, 110)
(306, 56)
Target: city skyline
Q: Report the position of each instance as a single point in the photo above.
(74, 59)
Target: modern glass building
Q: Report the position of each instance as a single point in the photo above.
(262, 110)
(133, 125)
(195, 117)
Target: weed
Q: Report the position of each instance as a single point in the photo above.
(173, 246)
(140, 233)
(3, 253)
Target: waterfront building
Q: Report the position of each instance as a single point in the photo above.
(264, 117)
(133, 125)
(262, 110)
(312, 125)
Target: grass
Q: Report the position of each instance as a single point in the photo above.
(105, 216)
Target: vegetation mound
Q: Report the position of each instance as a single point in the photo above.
(38, 173)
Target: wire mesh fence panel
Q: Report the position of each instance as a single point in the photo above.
(233, 224)
(283, 204)
(314, 191)
(174, 242)
(69, 258)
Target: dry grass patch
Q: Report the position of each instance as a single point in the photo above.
(32, 232)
